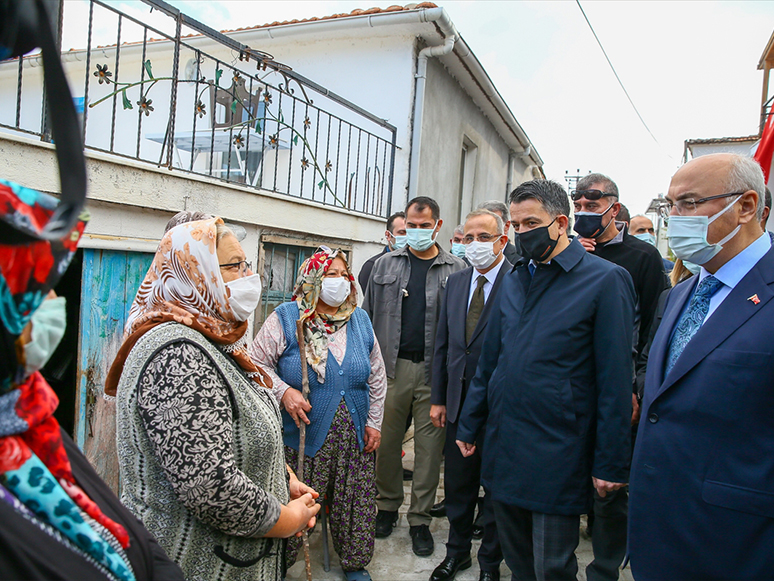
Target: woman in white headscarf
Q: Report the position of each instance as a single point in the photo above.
(199, 434)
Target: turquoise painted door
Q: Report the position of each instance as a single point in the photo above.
(110, 282)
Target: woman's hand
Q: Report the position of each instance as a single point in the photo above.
(296, 405)
(373, 438)
(297, 515)
(298, 488)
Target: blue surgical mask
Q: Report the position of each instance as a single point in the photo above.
(692, 268)
(400, 242)
(420, 239)
(646, 237)
(458, 249)
(48, 327)
(688, 236)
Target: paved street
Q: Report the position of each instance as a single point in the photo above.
(393, 558)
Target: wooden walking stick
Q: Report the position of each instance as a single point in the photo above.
(302, 429)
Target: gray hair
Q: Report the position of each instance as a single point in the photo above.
(608, 185)
(497, 207)
(460, 229)
(495, 215)
(746, 174)
(550, 194)
(221, 231)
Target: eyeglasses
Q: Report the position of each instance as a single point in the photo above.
(241, 267)
(480, 238)
(590, 195)
(687, 206)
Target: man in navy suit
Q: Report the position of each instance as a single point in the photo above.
(553, 388)
(464, 313)
(702, 484)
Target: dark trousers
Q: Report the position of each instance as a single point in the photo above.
(608, 535)
(537, 546)
(462, 478)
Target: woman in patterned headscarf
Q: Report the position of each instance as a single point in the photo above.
(199, 435)
(59, 519)
(347, 384)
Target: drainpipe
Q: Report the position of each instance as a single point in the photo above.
(448, 29)
(509, 183)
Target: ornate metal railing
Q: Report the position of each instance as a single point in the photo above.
(194, 100)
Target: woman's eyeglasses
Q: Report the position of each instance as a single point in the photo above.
(241, 267)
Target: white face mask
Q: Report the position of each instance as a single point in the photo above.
(688, 236)
(335, 290)
(245, 296)
(480, 254)
(48, 327)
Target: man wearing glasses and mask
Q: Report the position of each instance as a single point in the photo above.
(596, 209)
(702, 484)
(551, 388)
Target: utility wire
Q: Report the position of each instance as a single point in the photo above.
(620, 82)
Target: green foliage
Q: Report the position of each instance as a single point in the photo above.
(218, 74)
(127, 102)
(148, 69)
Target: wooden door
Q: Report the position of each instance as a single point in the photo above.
(110, 282)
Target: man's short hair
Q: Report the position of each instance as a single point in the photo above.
(485, 212)
(460, 229)
(623, 215)
(422, 202)
(550, 194)
(497, 207)
(608, 185)
(746, 174)
(767, 198)
(391, 220)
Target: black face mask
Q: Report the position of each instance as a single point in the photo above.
(536, 244)
(589, 224)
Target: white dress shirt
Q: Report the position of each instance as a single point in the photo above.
(490, 276)
(735, 270)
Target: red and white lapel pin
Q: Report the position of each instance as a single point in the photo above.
(754, 299)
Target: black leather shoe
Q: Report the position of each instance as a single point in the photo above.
(489, 576)
(421, 540)
(385, 521)
(478, 524)
(438, 510)
(478, 532)
(448, 568)
(408, 475)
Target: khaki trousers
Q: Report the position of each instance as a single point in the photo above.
(408, 392)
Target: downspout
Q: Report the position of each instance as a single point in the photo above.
(419, 95)
(509, 181)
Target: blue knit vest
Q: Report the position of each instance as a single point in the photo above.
(348, 380)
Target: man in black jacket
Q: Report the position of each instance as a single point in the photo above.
(596, 209)
(464, 313)
(396, 238)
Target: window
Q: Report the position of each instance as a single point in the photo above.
(467, 177)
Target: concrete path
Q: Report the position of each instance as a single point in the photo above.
(395, 561)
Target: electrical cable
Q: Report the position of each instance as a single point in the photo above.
(620, 82)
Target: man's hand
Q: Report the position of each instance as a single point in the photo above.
(603, 486)
(373, 438)
(296, 405)
(588, 243)
(635, 410)
(438, 415)
(466, 449)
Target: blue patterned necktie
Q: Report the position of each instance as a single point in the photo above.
(692, 319)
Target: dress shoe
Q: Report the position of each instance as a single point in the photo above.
(489, 576)
(448, 568)
(478, 532)
(408, 475)
(438, 510)
(421, 540)
(385, 521)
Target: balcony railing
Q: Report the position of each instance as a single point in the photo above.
(181, 95)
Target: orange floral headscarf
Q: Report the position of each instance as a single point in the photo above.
(184, 284)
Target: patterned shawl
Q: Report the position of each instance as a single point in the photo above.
(184, 284)
(319, 325)
(34, 466)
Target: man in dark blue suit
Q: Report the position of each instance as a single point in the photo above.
(553, 388)
(702, 485)
(464, 313)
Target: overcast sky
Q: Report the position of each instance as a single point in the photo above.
(690, 68)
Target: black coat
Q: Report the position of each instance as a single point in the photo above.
(702, 488)
(368, 266)
(455, 360)
(511, 254)
(30, 553)
(554, 385)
